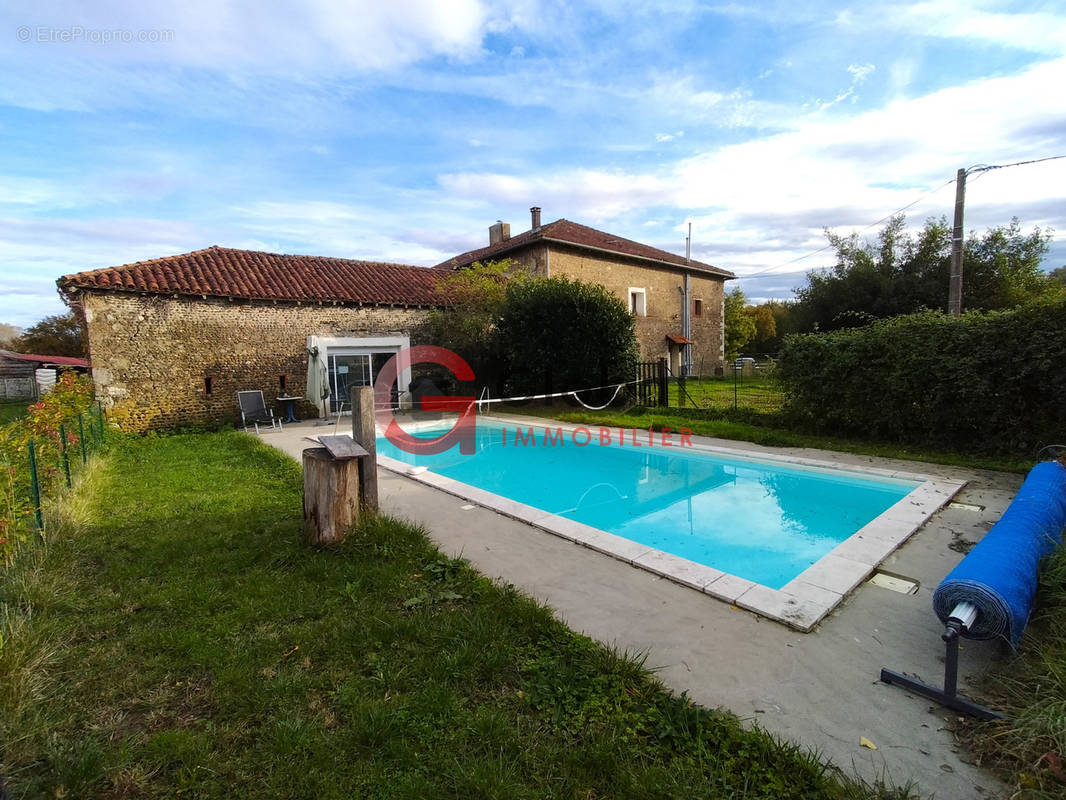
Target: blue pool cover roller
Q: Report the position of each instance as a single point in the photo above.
(999, 575)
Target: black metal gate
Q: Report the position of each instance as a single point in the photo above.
(652, 386)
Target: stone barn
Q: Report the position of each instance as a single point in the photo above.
(172, 340)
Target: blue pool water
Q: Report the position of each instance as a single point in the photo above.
(758, 520)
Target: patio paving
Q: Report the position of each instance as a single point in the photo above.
(818, 689)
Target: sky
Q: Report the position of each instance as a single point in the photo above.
(401, 131)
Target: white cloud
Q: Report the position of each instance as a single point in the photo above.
(1038, 31)
(860, 71)
(34, 252)
(235, 34)
(766, 200)
(594, 195)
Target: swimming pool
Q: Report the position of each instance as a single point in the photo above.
(761, 523)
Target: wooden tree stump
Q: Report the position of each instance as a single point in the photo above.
(331, 495)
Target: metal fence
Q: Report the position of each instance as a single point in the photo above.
(747, 383)
(48, 460)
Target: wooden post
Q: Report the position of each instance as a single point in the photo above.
(365, 433)
(331, 495)
(957, 234)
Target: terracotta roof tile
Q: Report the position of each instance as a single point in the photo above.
(249, 274)
(62, 361)
(566, 232)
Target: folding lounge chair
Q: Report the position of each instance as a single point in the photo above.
(254, 410)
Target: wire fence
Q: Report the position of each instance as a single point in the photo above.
(747, 383)
(43, 452)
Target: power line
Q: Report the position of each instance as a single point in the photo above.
(981, 169)
(986, 167)
(917, 200)
(958, 231)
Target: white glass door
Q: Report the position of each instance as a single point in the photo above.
(345, 372)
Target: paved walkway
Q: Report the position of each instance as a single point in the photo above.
(818, 689)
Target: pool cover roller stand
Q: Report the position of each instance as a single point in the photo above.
(997, 580)
(999, 575)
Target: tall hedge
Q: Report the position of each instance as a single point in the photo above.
(982, 382)
(559, 334)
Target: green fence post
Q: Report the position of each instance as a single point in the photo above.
(35, 488)
(81, 438)
(92, 428)
(63, 452)
(734, 385)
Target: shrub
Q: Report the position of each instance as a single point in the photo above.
(560, 334)
(981, 382)
(71, 396)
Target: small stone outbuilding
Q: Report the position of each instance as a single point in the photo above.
(172, 340)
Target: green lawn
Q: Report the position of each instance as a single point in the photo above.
(9, 412)
(752, 392)
(175, 637)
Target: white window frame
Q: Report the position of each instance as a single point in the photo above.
(364, 345)
(638, 306)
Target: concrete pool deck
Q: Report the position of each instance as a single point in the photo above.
(818, 689)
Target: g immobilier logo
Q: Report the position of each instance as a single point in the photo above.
(463, 432)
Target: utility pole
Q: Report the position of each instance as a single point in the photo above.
(955, 286)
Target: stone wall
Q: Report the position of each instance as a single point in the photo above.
(155, 358)
(663, 301)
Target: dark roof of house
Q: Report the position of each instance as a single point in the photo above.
(61, 361)
(563, 231)
(249, 274)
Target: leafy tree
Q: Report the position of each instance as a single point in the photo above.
(769, 338)
(765, 324)
(739, 325)
(902, 273)
(8, 334)
(57, 335)
(478, 295)
(1059, 275)
(559, 334)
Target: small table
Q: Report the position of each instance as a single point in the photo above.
(289, 408)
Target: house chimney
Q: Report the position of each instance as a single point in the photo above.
(500, 232)
(535, 213)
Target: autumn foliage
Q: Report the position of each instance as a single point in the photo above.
(58, 410)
